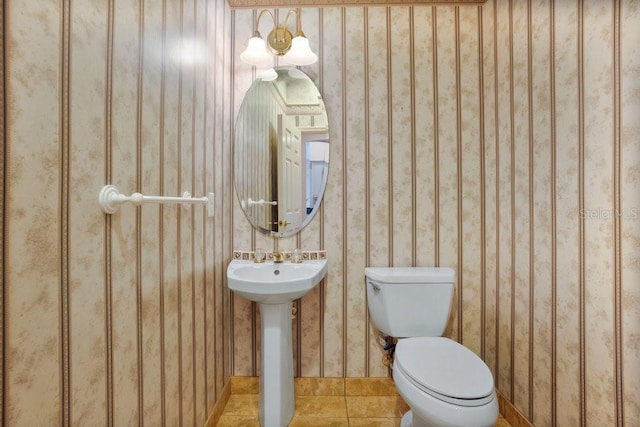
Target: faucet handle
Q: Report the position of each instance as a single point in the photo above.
(259, 255)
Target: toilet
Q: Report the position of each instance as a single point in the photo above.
(444, 383)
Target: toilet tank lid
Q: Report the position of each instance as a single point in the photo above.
(411, 274)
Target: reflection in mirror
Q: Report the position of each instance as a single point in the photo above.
(281, 152)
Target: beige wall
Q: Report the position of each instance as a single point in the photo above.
(114, 320)
(508, 171)
(500, 141)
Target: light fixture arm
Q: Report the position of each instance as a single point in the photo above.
(262, 12)
(298, 23)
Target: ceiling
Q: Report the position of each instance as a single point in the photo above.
(321, 3)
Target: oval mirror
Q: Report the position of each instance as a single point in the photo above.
(281, 152)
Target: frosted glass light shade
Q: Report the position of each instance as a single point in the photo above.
(300, 52)
(269, 75)
(256, 53)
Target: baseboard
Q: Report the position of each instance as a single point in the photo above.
(510, 413)
(216, 412)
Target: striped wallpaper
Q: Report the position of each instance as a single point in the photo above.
(123, 319)
(502, 141)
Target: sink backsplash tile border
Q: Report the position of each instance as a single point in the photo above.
(306, 255)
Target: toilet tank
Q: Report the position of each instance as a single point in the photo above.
(410, 301)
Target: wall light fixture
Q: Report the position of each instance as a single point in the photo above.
(280, 42)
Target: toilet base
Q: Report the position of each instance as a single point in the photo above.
(410, 420)
(407, 419)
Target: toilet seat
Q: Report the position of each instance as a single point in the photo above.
(445, 369)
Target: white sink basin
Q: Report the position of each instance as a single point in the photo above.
(274, 286)
(274, 283)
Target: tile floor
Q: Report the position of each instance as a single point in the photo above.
(325, 406)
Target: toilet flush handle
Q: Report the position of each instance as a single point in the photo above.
(375, 287)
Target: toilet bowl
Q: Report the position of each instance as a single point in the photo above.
(444, 383)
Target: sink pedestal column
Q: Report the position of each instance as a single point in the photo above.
(277, 400)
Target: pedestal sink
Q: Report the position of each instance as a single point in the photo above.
(274, 286)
